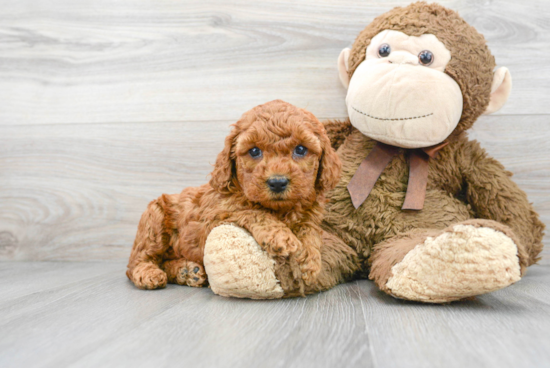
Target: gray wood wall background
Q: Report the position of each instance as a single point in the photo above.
(106, 104)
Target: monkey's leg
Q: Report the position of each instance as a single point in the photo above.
(152, 241)
(438, 266)
(183, 272)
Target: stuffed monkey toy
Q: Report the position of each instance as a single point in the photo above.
(420, 209)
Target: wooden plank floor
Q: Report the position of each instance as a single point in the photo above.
(79, 314)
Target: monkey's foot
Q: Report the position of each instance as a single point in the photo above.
(238, 267)
(466, 259)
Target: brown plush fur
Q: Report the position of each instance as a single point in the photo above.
(169, 244)
(464, 183)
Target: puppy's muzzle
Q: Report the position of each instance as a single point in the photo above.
(277, 184)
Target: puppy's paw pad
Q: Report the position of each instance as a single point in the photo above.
(182, 275)
(197, 276)
(278, 249)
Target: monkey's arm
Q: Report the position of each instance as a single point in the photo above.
(337, 131)
(494, 196)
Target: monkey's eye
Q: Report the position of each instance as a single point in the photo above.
(300, 151)
(426, 57)
(255, 152)
(384, 50)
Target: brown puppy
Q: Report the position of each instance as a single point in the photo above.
(271, 179)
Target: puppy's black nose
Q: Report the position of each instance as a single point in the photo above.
(277, 184)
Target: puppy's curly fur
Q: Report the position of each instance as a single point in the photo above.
(169, 244)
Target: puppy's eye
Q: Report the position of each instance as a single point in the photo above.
(384, 50)
(255, 152)
(426, 57)
(300, 151)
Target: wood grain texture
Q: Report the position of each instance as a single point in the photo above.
(129, 61)
(103, 321)
(507, 328)
(76, 192)
(21, 279)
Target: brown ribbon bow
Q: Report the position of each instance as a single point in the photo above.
(374, 164)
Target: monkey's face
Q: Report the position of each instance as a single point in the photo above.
(401, 95)
(420, 74)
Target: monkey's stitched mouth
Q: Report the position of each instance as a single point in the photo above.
(374, 117)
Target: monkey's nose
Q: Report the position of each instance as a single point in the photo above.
(277, 184)
(402, 57)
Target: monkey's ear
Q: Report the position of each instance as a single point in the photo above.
(500, 90)
(343, 65)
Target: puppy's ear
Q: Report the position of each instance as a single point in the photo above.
(330, 166)
(223, 175)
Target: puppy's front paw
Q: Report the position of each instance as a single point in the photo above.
(310, 265)
(148, 276)
(281, 242)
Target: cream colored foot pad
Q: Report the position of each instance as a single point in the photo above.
(237, 266)
(465, 262)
